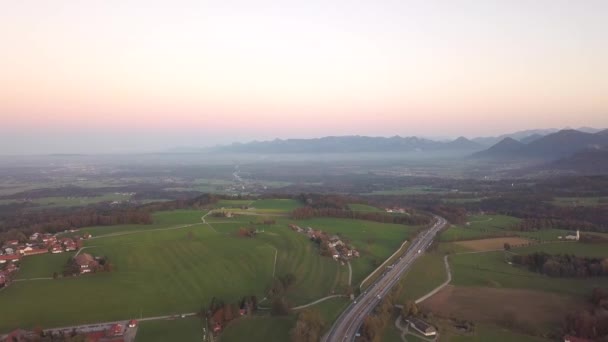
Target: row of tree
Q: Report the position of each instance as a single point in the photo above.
(310, 212)
(563, 265)
(590, 323)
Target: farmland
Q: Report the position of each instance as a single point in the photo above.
(480, 226)
(259, 329)
(185, 329)
(492, 243)
(488, 332)
(375, 241)
(491, 305)
(50, 202)
(43, 265)
(490, 269)
(579, 201)
(179, 267)
(427, 273)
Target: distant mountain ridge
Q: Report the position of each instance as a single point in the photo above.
(554, 146)
(528, 135)
(351, 144)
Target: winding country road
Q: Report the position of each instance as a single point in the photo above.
(347, 325)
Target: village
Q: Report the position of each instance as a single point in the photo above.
(328, 245)
(13, 251)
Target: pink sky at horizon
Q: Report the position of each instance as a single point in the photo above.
(233, 71)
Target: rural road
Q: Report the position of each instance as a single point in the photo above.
(346, 326)
(83, 328)
(444, 284)
(317, 302)
(350, 274)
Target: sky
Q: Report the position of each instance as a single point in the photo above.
(142, 75)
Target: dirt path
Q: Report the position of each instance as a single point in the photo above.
(28, 279)
(444, 284)
(143, 231)
(350, 274)
(274, 267)
(488, 220)
(317, 302)
(207, 223)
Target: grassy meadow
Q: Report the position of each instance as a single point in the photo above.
(164, 268)
(426, 273)
(259, 329)
(480, 226)
(181, 329)
(491, 269)
(43, 265)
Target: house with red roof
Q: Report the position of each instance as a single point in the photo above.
(86, 262)
(9, 257)
(18, 335)
(35, 251)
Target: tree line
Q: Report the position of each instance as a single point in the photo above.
(563, 265)
(310, 212)
(590, 323)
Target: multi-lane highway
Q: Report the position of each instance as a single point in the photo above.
(347, 325)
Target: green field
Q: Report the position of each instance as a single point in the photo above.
(259, 329)
(427, 273)
(233, 203)
(276, 204)
(492, 270)
(331, 309)
(182, 329)
(49, 202)
(363, 207)
(480, 226)
(579, 201)
(412, 190)
(42, 265)
(485, 333)
(375, 241)
(161, 220)
(182, 268)
(594, 250)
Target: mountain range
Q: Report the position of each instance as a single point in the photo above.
(352, 144)
(553, 146)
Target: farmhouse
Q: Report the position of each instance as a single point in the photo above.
(9, 257)
(574, 237)
(35, 251)
(12, 242)
(9, 250)
(69, 244)
(18, 335)
(86, 262)
(56, 249)
(422, 327)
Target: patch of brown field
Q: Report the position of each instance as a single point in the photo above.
(493, 305)
(493, 243)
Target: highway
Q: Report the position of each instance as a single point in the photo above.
(346, 326)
